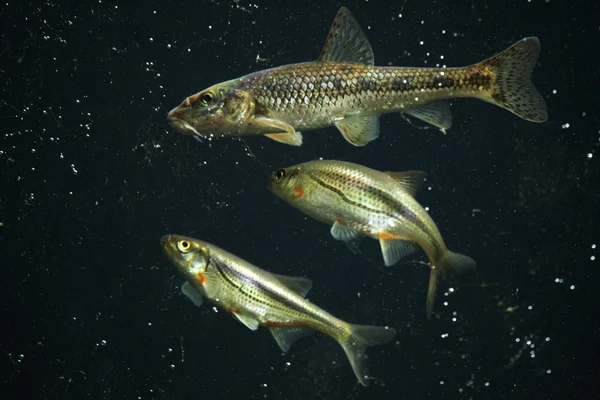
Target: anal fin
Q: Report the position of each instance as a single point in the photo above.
(394, 250)
(437, 114)
(285, 336)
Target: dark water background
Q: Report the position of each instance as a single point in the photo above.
(91, 177)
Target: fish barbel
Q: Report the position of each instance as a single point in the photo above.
(343, 88)
(259, 298)
(358, 201)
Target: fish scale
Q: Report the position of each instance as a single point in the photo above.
(330, 91)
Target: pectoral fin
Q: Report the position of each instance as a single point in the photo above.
(340, 231)
(359, 130)
(437, 114)
(394, 250)
(288, 135)
(411, 181)
(287, 335)
(210, 284)
(296, 284)
(191, 293)
(250, 322)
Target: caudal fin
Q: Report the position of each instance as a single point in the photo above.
(355, 346)
(513, 89)
(453, 264)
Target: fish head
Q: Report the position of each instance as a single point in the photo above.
(190, 256)
(289, 183)
(220, 110)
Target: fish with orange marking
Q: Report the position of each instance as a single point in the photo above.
(256, 297)
(358, 201)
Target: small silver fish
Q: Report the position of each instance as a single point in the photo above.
(259, 298)
(358, 201)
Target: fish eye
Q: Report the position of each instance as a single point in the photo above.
(280, 174)
(184, 246)
(206, 98)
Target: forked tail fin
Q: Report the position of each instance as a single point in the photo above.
(513, 89)
(356, 344)
(452, 264)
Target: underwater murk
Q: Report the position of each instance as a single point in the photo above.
(382, 200)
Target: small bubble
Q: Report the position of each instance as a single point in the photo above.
(554, 91)
(172, 366)
(590, 155)
(572, 287)
(548, 371)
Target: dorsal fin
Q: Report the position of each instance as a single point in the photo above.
(411, 181)
(347, 42)
(296, 284)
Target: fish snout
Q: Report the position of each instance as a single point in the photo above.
(165, 240)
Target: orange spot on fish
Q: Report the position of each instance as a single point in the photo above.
(298, 192)
(201, 278)
(387, 236)
(234, 310)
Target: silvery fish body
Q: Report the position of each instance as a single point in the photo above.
(358, 201)
(259, 298)
(344, 88)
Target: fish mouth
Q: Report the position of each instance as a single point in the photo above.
(166, 244)
(165, 240)
(182, 126)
